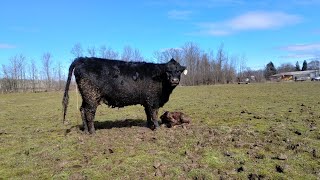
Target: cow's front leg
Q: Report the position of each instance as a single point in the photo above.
(152, 118)
(148, 114)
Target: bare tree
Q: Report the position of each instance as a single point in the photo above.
(164, 56)
(137, 56)
(286, 67)
(46, 63)
(206, 69)
(191, 55)
(22, 71)
(14, 73)
(221, 57)
(242, 67)
(314, 64)
(231, 76)
(60, 76)
(17, 72)
(127, 53)
(92, 51)
(130, 54)
(108, 53)
(7, 83)
(33, 75)
(229, 70)
(77, 50)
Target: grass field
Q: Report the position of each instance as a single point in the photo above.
(267, 131)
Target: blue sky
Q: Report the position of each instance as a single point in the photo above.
(263, 31)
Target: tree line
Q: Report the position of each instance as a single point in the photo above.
(24, 74)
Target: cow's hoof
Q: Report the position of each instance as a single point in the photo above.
(153, 127)
(156, 128)
(92, 132)
(86, 131)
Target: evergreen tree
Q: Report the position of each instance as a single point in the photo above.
(297, 66)
(269, 70)
(304, 66)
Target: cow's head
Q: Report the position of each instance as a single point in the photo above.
(173, 72)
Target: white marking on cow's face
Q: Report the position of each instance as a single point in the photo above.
(185, 72)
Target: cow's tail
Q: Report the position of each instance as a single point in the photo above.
(65, 99)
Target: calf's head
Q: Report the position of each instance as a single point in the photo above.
(166, 118)
(173, 72)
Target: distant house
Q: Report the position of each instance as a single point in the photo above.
(296, 75)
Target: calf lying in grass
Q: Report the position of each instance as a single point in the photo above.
(171, 119)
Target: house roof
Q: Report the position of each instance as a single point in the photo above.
(295, 73)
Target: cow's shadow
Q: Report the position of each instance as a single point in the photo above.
(119, 123)
(107, 124)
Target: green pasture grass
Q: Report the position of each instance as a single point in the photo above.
(266, 130)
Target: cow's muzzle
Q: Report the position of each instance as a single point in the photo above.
(174, 81)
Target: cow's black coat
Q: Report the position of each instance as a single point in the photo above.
(119, 83)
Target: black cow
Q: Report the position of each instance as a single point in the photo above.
(119, 83)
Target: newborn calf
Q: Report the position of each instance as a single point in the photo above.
(174, 118)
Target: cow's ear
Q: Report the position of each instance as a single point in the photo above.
(185, 72)
(172, 61)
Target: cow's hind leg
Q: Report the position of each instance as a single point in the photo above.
(90, 101)
(88, 113)
(84, 119)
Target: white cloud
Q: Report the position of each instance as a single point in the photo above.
(6, 46)
(262, 20)
(217, 32)
(256, 20)
(179, 14)
(311, 50)
(298, 56)
(302, 47)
